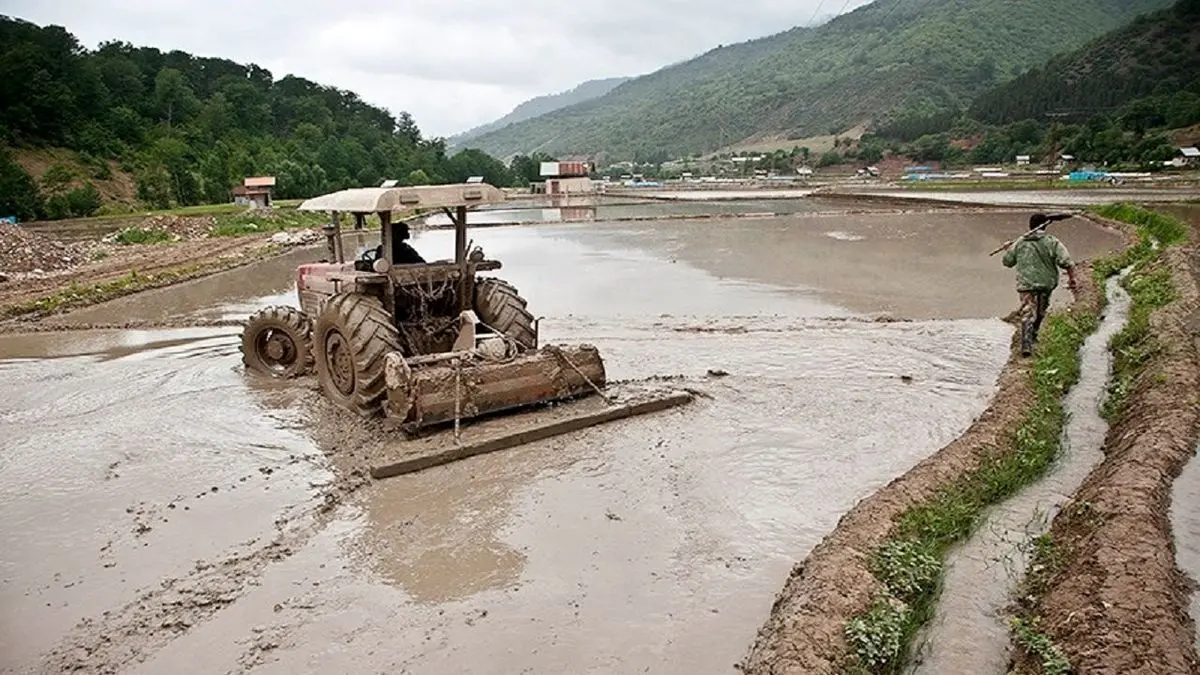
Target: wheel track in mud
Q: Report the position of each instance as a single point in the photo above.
(112, 641)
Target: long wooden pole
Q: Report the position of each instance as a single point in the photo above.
(460, 259)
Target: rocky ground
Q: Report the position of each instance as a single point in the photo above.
(41, 267)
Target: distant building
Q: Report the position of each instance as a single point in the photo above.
(567, 178)
(1186, 157)
(255, 192)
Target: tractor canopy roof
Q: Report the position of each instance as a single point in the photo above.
(393, 199)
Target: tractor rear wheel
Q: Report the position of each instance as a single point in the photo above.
(352, 334)
(499, 305)
(277, 341)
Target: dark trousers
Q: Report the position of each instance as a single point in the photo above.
(1033, 311)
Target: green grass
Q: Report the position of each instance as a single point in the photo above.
(910, 562)
(1167, 230)
(1150, 288)
(256, 223)
(1029, 637)
(140, 235)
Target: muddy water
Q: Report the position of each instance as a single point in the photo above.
(602, 210)
(933, 265)
(651, 544)
(1185, 523)
(969, 633)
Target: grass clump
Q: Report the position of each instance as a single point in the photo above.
(1030, 638)
(140, 235)
(910, 562)
(277, 220)
(878, 637)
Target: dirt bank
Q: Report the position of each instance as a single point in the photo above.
(1115, 601)
(805, 630)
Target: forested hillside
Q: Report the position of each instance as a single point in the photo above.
(1110, 102)
(540, 106)
(189, 128)
(889, 56)
(1158, 54)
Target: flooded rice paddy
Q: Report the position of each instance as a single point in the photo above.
(162, 511)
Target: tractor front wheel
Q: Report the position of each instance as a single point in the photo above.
(277, 341)
(352, 334)
(499, 305)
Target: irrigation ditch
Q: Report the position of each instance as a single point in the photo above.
(1102, 593)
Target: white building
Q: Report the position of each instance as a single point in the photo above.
(1186, 157)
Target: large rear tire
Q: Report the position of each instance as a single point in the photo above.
(499, 305)
(277, 341)
(351, 335)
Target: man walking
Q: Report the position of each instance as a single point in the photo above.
(1037, 258)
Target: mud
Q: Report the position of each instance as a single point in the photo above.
(969, 632)
(1119, 604)
(804, 632)
(651, 543)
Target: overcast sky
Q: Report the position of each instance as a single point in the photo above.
(453, 64)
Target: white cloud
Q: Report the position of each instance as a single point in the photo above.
(453, 64)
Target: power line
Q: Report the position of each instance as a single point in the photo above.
(814, 14)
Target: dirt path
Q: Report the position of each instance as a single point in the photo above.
(1116, 603)
(969, 633)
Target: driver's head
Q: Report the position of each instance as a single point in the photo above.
(400, 230)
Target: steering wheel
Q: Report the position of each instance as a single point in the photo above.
(370, 255)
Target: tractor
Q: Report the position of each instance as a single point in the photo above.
(422, 343)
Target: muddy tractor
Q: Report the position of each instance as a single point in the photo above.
(421, 344)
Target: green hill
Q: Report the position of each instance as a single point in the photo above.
(1126, 99)
(188, 128)
(1157, 54)
(889, 56)
(540, 106)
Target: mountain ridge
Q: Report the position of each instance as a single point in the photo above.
(540, 105)
(863, 66)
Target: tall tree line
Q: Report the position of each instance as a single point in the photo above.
(190, 128)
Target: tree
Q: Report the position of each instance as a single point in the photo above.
(172, 94)
(18, 191)
(472, 162)
(418, 177)
(528, 169)
(830, 158)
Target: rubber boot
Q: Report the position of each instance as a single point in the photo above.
(1028, 336)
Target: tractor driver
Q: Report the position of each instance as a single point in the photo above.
(402, 252)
